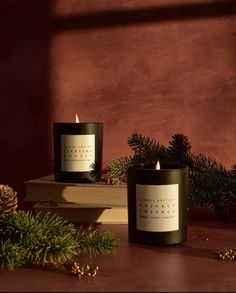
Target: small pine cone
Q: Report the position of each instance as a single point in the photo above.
(225, 205)
(8, 201)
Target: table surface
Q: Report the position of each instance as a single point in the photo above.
(187, 267)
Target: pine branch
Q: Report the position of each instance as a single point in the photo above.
(47, 239)
(94, 241)
(57, 241)
(11, 255)
(208, 179)
(117, 170)
(207, 176)
(146, 150)
(179, 150)
(141, 144)
(206, 186)
(179, 144)
(233, 172)
(202, 163)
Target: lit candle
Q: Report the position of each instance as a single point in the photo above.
(157, 204)
(78, 151)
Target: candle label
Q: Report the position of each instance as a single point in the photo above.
(157, 207)
(77, 152)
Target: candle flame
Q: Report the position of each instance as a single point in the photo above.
(76, 118)
(158, 167)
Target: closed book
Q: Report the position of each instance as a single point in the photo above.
(82, 214)
(98, 193)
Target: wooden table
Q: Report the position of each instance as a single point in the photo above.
(188, 267)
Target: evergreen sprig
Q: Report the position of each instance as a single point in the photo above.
(94, 242)
(117, 170)
(207, 176)
(146, 149)
(47, 239)
(12, 255)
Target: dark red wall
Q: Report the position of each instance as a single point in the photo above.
(153, 67)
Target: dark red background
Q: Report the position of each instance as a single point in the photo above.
(153, 67)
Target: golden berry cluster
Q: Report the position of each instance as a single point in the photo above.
(84, 270)
(227, 254)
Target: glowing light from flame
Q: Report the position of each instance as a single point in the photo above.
(158, 167)
(76, 118)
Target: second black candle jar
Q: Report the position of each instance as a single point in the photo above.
(78, 152)
(157, 204)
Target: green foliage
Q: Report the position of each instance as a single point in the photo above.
(26, 238)
(42, 240)
(205, 186)
(118, 168)
(95, 242)
(12, 255)
(207, 176)
(179, 149)
(146, 150)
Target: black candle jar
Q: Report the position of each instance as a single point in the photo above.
(78, 152)
(157, 204)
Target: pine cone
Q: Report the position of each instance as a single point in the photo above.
(8, 201)
(225, 205)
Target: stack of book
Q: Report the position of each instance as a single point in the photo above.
(80, 203)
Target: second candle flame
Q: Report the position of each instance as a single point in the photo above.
(76, 118)
(158, 167)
